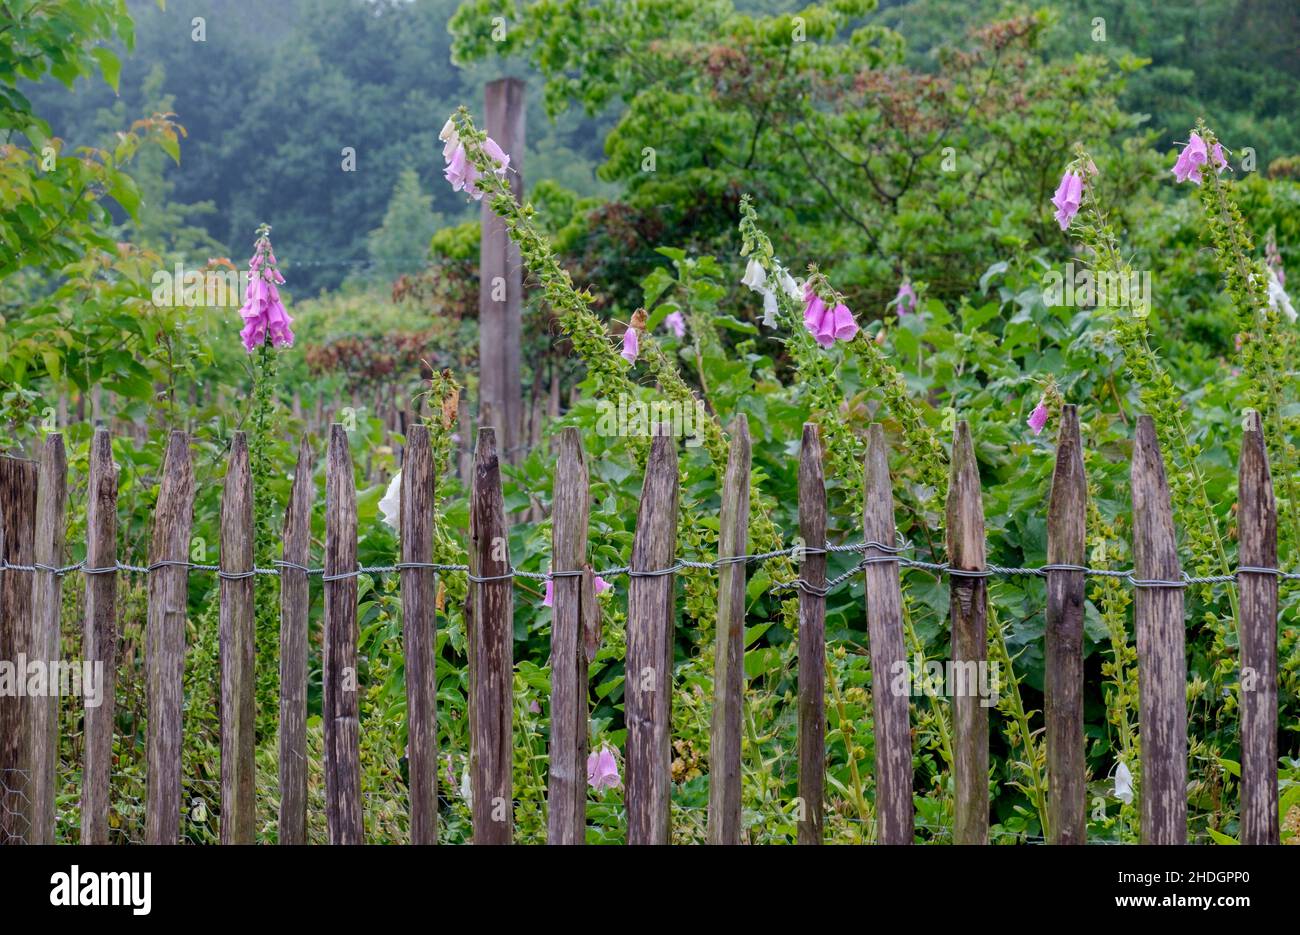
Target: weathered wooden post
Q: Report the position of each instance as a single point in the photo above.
(295, 600)
(1162, 660)
(419, 632)
(969, 610)
(238, 681)
(169, 588)
(100, 640)
(46, 645)
(566, 797)
(651, 613)
(1257, 529)
(491, 650)
(894, 821)
(812, 636)
(1063, 707)
(18, 483)
(341, 705)
(501, 281)
(729, 653)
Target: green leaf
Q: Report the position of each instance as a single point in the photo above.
(124, 192)
(172, 147)
(735, 324)
(110, 66)
(53, 362)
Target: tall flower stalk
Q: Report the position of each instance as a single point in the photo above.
(1267, 344)
(266, 329)
(1157, 393)
(591, 341)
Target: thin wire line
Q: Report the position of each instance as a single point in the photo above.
(884, 553)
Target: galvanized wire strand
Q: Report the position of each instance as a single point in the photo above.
(882, 553)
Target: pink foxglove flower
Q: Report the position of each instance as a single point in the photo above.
(906, 299)
(631, 345)
(602, 769)
(1195, 155)
(1068, 196)
(1038, 418)
(263, 312)
(814, 310)
(600, 585)
(460, 171)
(845, 327)
(826, 324)
(497, 155)
(676, 324)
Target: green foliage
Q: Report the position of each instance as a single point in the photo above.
(400, 244)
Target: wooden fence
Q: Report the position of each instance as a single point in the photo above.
(32, 520)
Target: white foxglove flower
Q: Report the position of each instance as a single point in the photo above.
(769, 308)
(450, 137)
(1278, 300)
(466, 788)
(391, 504)
(754, 277)
(1123, 783)
(790, 286)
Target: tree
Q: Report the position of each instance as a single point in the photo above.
(74, 299)
(859, 157)
(401, 244)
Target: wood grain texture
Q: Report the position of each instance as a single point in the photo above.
(651, 614)
(341, 681)
(99, 643)
(501, 279)
(1063, 703)
(295, 602)
(419, 632)
(894, 814)
(18, 483)
(1257, 531)
(729, 653)
(1162, 660)
(566, 797)
(969, 610)
(491, 652)
(46, 644)
(812, 637)
(238, 679)
(169, 588)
